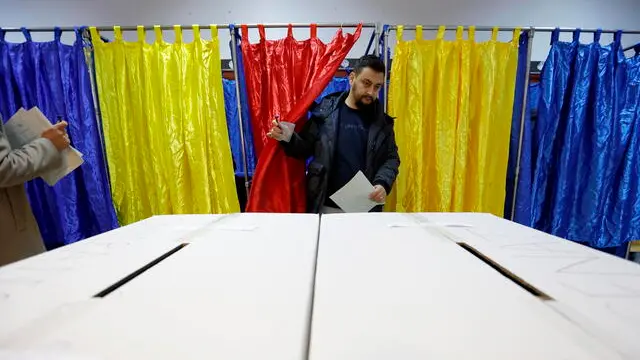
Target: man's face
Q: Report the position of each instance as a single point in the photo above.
(366, 86)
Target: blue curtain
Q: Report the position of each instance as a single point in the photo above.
(585, 182)
(231, 107)
(337, 84)
(522, 212)
(54, 77)
(516, 123)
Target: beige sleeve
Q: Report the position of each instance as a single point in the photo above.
(21, 165)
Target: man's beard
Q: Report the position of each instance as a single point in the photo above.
(364, 106)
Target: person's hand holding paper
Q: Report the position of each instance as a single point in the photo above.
(378, 195)
(57, 135)
(357, 195)
(27, 126)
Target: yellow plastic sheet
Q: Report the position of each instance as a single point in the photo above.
(453, 102)
(164, 125)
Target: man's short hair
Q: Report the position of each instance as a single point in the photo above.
(369, 61)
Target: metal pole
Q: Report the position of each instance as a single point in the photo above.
(511, 28)
(234, 59)
(628, 252)
(324, 25)
(203, 26)
(376, 41)
(522, 120)
(385, 90)
(320, 25)
(110, 28)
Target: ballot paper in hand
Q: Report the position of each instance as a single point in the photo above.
(27, 126)
(354, 196)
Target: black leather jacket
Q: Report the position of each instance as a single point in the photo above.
(318, 137)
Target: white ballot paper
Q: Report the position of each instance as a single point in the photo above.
(354, 196)
(27, 126)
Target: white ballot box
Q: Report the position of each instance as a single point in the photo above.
(236, 288)
(598, 292)
(341, 286)
(390, 287)
(35, 286)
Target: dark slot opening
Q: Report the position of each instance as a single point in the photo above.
(138, 272)
(506, 273)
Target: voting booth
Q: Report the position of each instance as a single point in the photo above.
(339, 286)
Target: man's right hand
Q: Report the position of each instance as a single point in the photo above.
(281, 131)
(276, 132)
(57, 135)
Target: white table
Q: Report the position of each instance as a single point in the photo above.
(240, 289)
(399, 286)
(35, 286)
(387, 286)
(597, 291)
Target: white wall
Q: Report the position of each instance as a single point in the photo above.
(569, 13)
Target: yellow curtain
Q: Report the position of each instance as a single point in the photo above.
(453, 103)
(164, 125)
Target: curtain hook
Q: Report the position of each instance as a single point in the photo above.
(471, 31)
(196, 32)
(245, 32)
(80, 32)
(555, 35)
(597, 35)
(117, 33)
(441, 30)
(157, 30)
(517, 32)
(141, 34)
(399, 32)
(494, 33)
(576, 35)
(314, 31)
(177, 29)
(57, 33)
(214, 31)
(459, 32)
(26, 33)
(617, 37)
(95, 36)
(419, 32)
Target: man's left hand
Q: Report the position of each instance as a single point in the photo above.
(379, 194)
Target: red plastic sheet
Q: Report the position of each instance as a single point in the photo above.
(283, 78)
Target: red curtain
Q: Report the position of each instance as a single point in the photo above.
(283, 78)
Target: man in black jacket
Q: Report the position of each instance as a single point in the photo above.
(347, 132)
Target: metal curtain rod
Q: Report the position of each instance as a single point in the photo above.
(188, 27)
(512, 28)
(320, 25)
(110, 28)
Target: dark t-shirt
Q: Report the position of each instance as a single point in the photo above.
(350, 151)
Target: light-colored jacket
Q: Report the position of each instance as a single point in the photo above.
(19, 233)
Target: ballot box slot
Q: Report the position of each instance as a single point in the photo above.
(138, 272)
(506, 273)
